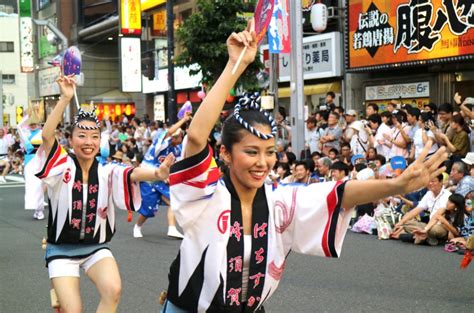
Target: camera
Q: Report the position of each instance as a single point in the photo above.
(427, 126)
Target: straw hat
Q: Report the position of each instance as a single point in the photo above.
(118, 155)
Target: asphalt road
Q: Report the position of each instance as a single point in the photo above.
(370, 276)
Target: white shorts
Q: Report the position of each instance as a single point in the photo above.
(71, 267)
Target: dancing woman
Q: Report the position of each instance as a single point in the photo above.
(82, 198)
(238, 230)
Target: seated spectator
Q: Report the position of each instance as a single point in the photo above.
(371, 154)
(339, 171)
(300, 175)
(346, 153)
(432, 201)
(324, 168)
(459, 143)
(467, 230)
(463, 182)
(333, 153)
(315, 156)
(445, 223)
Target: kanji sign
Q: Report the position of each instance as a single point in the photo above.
(130, 17)
(320, 57)
(390, 33)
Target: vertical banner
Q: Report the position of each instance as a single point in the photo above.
(130, 64)
(130, 17)
(279, 40)
(26, 37)
(159, 108)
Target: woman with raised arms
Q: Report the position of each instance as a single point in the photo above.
(82, 198)
(238, 229)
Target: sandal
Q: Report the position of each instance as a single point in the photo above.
(450, 247)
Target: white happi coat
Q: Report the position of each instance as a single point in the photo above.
(113, 190)
(305, 219)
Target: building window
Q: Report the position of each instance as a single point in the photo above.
(6, 46)
(8, 78)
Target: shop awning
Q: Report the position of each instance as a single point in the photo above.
(318, 89)
(150, 4)
(112, 96)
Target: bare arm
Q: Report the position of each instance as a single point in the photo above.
(178, 124)
(158, 173)
(416, 176)
(66, 85)
(209, 111)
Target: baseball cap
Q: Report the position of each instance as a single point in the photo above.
(356, 157)
(351, 112)
(469, 100)
(469, 159)
(398, 162)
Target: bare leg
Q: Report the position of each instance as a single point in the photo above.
(170, 214)
(68, 293)
(105, 275)
(141, 220)
(172, 230)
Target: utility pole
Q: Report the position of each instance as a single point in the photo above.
(172, 110)
(274, 59)
(296, 78)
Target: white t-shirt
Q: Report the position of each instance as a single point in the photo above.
(433, 203)
(381, 148)
(418, 142)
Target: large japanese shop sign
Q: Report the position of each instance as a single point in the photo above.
(392, 33)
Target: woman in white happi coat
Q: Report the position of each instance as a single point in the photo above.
(83, 195)
(239, 230)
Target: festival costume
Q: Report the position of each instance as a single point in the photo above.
(206, 276)
(151, 192)
(34, 187)
(73, 221)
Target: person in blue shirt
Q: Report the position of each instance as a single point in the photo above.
(157, 193)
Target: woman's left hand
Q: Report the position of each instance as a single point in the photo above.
(163, 172)
(421, 171)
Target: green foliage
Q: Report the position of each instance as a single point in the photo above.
(203, 36)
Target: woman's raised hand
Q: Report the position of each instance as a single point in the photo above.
(420, 172)
(163, 172)
(238, 41)
(66, 86)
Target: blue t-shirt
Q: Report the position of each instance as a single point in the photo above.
(159, 149)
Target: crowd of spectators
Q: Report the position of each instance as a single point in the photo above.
(343, 145)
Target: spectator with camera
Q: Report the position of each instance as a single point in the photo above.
(422, 135)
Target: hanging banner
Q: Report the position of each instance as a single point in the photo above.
(262, 15)
(279, 28)
(393, 33)
(130, 17)
(130, 64)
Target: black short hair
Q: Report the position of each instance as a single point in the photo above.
(380, 158)
(315, 153)
(334, 150)
(375, 118)
(304, 163)
(446, 108)
(341, 166)
(374, 106)
(413, 111)
(332, 94)
(360, 166)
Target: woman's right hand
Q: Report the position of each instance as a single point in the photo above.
(67, 84)
(238, 41)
